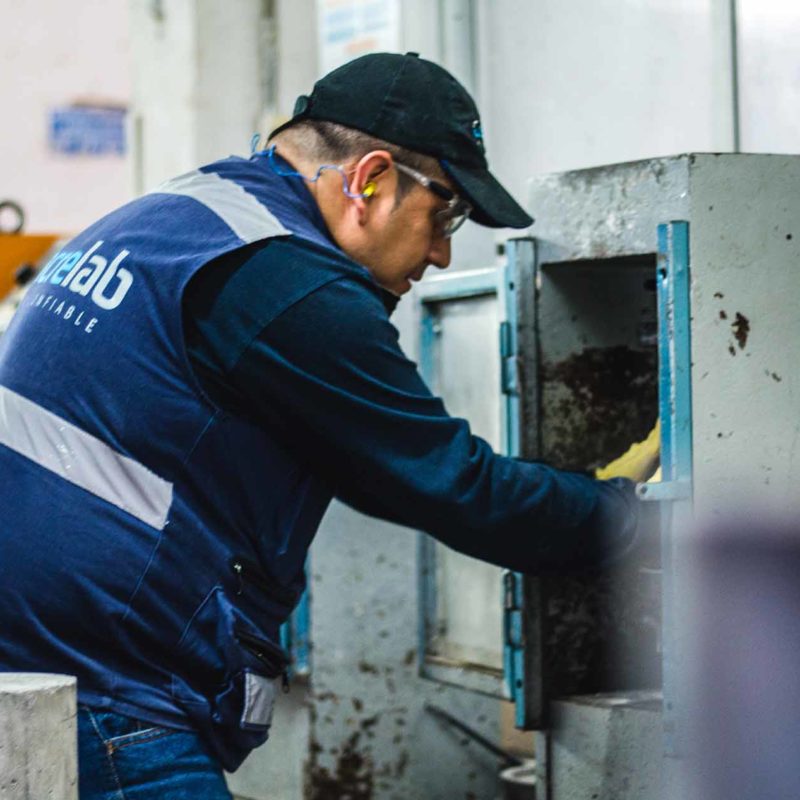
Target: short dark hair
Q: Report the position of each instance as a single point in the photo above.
(330, 141)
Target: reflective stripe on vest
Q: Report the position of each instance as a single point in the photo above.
(238, 209)
(82, 459)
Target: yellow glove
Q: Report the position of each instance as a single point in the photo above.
(638, 463)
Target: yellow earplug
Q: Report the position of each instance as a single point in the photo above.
(369, 189)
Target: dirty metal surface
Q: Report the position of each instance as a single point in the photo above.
(595, 403)
(602, 627)
(602, 632)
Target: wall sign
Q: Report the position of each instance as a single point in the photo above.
(87, 130)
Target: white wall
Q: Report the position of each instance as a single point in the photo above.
(297, 56)
(55, 53)
(210, 74)
(590, 82)
(199, 90)
(769, 75)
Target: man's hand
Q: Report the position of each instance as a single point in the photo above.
(639, 463)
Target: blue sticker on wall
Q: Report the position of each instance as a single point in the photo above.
(88, 130)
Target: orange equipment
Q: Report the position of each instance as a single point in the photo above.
(18, 249)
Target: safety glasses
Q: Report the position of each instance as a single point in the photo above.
(454, 215)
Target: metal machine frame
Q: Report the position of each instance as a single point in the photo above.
(515, 284)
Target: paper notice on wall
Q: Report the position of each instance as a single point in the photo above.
(351, 28)
(87, 130)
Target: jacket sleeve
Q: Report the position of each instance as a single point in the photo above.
(328, 377)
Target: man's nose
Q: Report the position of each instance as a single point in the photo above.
(439, 254)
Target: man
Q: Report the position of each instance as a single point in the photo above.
(192, 379)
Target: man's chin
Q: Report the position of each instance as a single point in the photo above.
(399, 288)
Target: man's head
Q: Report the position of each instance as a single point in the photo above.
(388, 221)
(409, 139)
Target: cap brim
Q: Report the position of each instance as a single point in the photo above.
(491, 204)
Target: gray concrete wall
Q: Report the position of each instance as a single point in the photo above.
(372, 737)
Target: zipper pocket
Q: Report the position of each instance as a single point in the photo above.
(271, 656)
(247, 572)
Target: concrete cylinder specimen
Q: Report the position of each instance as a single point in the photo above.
(38, 737)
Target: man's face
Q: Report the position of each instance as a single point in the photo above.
(405, 239)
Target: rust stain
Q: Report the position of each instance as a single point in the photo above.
(354, 774)
(400, 766)
(741, 329)
(369, 722)
(351, 778)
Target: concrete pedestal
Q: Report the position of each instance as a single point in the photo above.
(607, 747)
(38, 737)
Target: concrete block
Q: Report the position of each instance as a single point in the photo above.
(38, 737)
(607, 747)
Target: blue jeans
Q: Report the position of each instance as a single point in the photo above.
(120, 758)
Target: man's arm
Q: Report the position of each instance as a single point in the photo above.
(328, 378)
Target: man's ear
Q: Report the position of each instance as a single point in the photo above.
(371, 179)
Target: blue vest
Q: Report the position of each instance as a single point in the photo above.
(151, 544)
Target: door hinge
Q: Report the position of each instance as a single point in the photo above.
(509, 364)
(514, 636)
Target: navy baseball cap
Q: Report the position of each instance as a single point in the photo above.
(415, 104)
